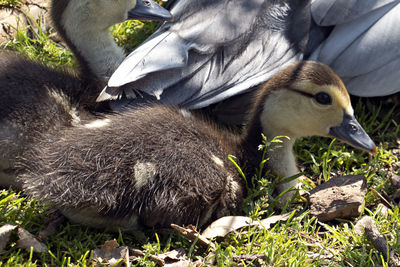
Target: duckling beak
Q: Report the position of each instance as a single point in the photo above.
(149, 10)
(351, 132)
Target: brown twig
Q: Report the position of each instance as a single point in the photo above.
(56, 218)
(249, 257)
(377, 239)
(191, 233)
(384, 201)
(138, 253)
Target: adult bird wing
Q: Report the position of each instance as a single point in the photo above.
(363, 47)
(213, 50)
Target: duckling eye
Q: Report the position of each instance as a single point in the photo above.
(323, 98)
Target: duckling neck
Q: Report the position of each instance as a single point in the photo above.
(281, 158)
(99, 50)
(86, 31)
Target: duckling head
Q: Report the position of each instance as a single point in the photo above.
(84, 26)
(106, 13)
(309, 99)
(121, 10)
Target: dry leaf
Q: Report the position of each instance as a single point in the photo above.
(55, 220)
(110, 254)
(274, 219)
(5, 233)
(225, 225)
(181, 263)
(27, 240)
(177, 258)
(173, 255)
(210, 260)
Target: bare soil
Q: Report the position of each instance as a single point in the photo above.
(32, 14)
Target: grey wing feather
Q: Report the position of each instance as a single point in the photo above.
(379, 82)
(364, 52)
(165, 51)
(334, 12)
(165, 61)
(240, 45)
(168, 47)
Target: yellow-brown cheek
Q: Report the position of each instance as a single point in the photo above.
(318, 122)
(332, 118)
(343, 103)
(325, 116)
(317, 119)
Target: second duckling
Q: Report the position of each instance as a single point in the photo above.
(155, 165)
(35, 98)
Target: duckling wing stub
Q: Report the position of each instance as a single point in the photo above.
(215, 49)
(364, 51)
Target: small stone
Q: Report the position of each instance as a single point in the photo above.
(28, 241)
(340, 197)
(5, 233)
(382, 210)
(366, 224)
(395, 180)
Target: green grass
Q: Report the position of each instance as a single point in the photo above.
(300, 241)
(11, 3)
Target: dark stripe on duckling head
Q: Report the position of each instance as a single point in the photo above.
(311, 71)
(322, 98)
(303, 71)
(315, 72)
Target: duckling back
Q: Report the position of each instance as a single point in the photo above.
(34, 99)
(152, 166)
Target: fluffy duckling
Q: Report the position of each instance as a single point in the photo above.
(35, 98)
(157, 165)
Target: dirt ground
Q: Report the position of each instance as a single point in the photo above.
(32, 12)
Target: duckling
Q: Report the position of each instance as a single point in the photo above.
(156, 165)
(243, 43)
(84, 25)
(36, 98)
